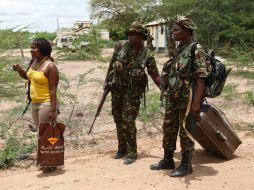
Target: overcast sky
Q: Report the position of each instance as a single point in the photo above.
(42, 14)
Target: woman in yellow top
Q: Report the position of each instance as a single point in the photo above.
(43, 76)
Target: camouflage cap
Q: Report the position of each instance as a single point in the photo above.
(186, 23)
(138, 28)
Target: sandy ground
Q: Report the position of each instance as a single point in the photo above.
(101, 171)
(91, 166)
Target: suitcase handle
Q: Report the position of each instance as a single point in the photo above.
(221, 136)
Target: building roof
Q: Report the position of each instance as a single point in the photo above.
(156, 22)
(83, 21)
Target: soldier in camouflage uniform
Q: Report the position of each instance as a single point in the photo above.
(187, 70)
(128, 81)
(149, 42)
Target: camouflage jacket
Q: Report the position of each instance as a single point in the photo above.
(149, 42)
(129, 70)
(180, 73)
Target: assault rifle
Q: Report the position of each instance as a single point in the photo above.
(107, 87)
(105, 93)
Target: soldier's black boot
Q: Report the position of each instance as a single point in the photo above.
(122, 151)
(130, 158)
(120, 154)
(185, 167)
(131, 140)
(128, 161)
(166, 163)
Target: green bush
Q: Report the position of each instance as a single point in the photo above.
(10, 86)
(12, 149)
(46, 35)
(242, 58)
(3, 129)
(92, 51)
(244, 74)
(153, 107)
(10, 38)
(229, 91)
(249, 97)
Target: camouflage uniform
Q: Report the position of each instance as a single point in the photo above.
(179, 74)
(129, 81)
(149, 42)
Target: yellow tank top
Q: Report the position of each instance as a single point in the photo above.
(39, 87)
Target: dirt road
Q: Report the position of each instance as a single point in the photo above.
(101, 171)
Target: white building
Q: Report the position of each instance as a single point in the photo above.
(82, 24)
(80, 28)
(159, 32)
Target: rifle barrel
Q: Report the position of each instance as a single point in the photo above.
(106, 91)
(90, 130)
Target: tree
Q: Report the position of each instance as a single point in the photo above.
(118, 15)
(47, 35)
(223, 22)
(219, 22)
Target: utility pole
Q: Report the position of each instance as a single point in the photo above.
(57, 23)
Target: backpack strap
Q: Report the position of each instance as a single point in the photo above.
(190, 99)
(193, 49)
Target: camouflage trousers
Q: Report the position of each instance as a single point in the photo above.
(173, 120)
(125, 109)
